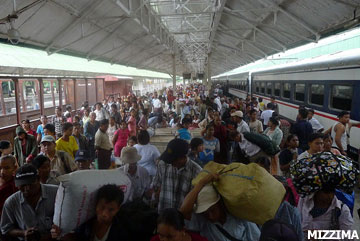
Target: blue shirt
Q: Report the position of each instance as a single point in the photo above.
(210, 147)
(303, 130)
(184, 134)
(40, 130)
(238, 228)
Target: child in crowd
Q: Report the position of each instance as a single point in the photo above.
(211, 144)
(5, 148)
(67, 142)
(112, 128)
(196, 121)
(132, 141)
(132, 123)
(289, 154)
(120, 138)
(184, 132)
(328, 141)
(41, 127)
(197, 146)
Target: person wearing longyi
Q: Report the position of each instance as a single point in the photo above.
(28, 213)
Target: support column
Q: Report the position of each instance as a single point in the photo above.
(86, 90)
(17, 100)
(75, 91)
(60, 92)
(3, 107)
(209, 69)
(41, 99)
(174, 72)
(52, 91)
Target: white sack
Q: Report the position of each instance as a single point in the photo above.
(75, 198)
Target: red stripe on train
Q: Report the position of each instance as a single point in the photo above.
(293, 106)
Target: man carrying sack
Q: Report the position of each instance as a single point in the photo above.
(210, 216)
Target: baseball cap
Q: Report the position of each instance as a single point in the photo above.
(47, 138)
(206, 198)
(238, 114)
(175, 148)
(81, 155)
(26, 174)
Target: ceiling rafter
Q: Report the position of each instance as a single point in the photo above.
(88, 9)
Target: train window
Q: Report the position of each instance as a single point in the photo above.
(262, 87)
(49, 94)
(7, 95)
(341, 97)
(286, 90)
(257, 88)
(269, 88)
(277, 89)
(316, 93)
(300, 92)
(30, 96)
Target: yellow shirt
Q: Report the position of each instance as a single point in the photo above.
(70, 146)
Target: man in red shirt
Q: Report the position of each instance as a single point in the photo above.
(7, 184)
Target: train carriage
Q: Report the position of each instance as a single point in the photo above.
(327, 84)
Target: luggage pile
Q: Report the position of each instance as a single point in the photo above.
(324, 170)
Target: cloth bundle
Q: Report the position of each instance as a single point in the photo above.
(323, 170)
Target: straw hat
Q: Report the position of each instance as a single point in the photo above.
(129, 155)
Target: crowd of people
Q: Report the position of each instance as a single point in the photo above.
(116, 133)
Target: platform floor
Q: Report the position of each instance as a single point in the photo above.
(164, 135)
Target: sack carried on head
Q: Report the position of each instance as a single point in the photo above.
(75, 198)
(249, 192)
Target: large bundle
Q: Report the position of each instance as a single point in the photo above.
(249, 191)
(75, 199)
(323, 170)
(262, 141)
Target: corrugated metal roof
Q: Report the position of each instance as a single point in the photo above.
(145, 33)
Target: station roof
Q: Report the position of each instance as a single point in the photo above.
(29, 61)
(146, 33)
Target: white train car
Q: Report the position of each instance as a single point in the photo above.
(328, 84)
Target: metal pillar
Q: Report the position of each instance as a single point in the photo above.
(209, 69)
(60, 92)
(41, 95)
(174, 71)
(17, 99)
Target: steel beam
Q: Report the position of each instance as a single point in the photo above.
(228, 12)
(90, 7)
(108, 36)
(292, 17)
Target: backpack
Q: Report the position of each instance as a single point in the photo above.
(347, 199)
(262, 141)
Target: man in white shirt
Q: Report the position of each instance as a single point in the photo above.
(156, 103)
(218, 103)
(317, 127)
(242, 126)
(267, 114)
(138, 175)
